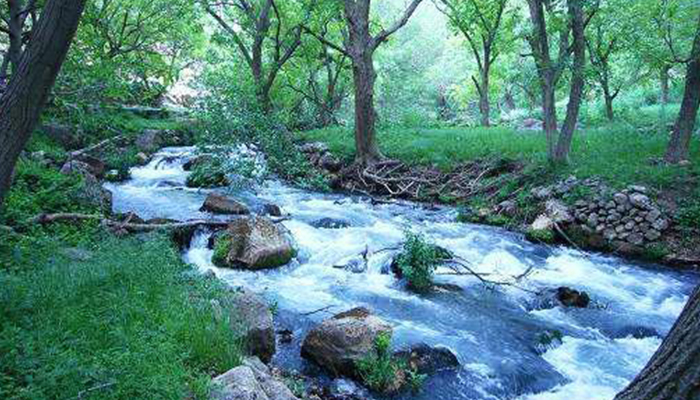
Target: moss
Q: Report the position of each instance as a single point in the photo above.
(540, 235)
(222, 247)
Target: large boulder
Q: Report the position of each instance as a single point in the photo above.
(220, 204)
(254, 243)
(250, 314)
(252, 380)
(150, 140)
(338, 343)
(62, 134)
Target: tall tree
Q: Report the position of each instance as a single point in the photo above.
(483, 24)
(359, 44)
(679, 145)
(550, 70)
(673, 373)
(29, 87)
(251, 24)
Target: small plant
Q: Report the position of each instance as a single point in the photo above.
(415, 380)
(222, 247)
(418, 260)
(379, 370)
(689, 215)
(296, 386)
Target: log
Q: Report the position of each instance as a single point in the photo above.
(81, 152)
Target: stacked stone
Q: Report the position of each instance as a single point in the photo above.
(629, 216)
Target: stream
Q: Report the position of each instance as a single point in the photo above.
(494, 332)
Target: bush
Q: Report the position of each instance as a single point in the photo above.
(131, 321)
(418, 260)
(382, 372)
(208, 175)
(222, 247)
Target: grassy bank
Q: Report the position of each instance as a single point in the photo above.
(111, 319)
(619, 153)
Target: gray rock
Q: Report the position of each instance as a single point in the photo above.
(313, 147)
(428, 359)
(62, 134)
(637, 189)
(257, 243)
(250, 381)
(220, 204)
(640, 200)
(653, 215)
(630, 225)
(330, 223)
(652, 235)
(558, 212)
(508, 207)
(660, 224)
(620, 198)
(338, 343)
(251, 315)
(636, 239)
(272, 210)
(150, 140)
(542, 192)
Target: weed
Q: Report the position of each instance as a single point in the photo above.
(418, 260)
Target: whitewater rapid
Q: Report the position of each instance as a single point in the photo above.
(493, 331)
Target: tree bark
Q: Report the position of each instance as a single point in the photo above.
(663, 80)
(577, 82)
(609, 111)
(673, 373)
(31, 83)
(679, 145)
(484, 101)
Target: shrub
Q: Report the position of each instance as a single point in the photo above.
(540, 235)
(379, 370)
(418, 260)
(222, 247)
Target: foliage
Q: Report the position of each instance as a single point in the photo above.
(230, 116)
(418, 260)
(126, 320)
(40, 189)
(689, 214)
(379, 370)
(540, 235)
(222, 247)
(208, 174)
(135, 50)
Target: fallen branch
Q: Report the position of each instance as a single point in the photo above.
(44, 219)
(81, 152)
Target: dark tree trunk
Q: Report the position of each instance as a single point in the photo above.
(31, 83)
(609, 111)
(577, 82)
(508, 100)
(673, 373)
(679, 145)
(549, 115)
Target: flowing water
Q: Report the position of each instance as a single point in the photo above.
(494, 332)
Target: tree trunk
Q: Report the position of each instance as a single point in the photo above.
(679, 145)
(577, 82)
(673, 373)
(365, 114)
(484, 102)
(609, 112)
(31, 83)
(663, 79)
(549, 115)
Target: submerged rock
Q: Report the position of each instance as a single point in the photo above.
(564, 296)
(220, 204)
(272, 210)
(426, 359)
(330, 223)
(251, 381)
(253, 243)
(338, 343)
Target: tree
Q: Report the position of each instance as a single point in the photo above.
(15, 15)
(550, 70)
(673, 373)
(359, 45)
(679, 145)
(483, 24)
(135, 50)
(29, 87)
(250, 25)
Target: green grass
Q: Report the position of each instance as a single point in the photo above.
(129, 320)
(619, 153)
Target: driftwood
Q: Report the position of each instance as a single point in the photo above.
(44, 219)
(396, 179)
(97, 146)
